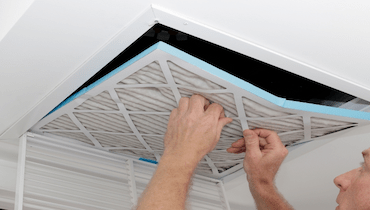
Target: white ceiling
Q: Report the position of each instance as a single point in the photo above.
(44, 42)
(52, 39)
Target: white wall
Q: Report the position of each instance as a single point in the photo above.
(307, 181)
(8, 173)
(8, 164)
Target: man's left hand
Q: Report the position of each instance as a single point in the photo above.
(194, 128)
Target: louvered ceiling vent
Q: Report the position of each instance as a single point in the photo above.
(126, 111)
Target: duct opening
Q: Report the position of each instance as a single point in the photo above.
(265, 76)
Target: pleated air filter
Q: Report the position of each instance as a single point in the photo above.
(126, 112)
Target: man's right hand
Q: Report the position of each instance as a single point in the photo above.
(264, 153)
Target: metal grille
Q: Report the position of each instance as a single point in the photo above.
(57, 174)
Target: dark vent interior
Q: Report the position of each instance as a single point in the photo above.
(265, 76)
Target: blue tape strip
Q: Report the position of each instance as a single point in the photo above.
(148, 160)
(222, 74)
(326, 110)
(259, 92)
(230, 78)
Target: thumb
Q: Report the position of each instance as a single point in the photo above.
(252, 143)
(222, 122)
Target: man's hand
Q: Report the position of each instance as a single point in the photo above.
(194, 128)
(264, 153)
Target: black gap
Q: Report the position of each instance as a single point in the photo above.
(265, 76)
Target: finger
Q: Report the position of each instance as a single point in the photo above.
(222, 113)
(198, 103)
(252, 143)
(271, 137)
(207, 104)
(183, 104)
(239, 143)
(173, 114)
(235, 150)
(263, 141)
(221, 123)
(241, 150)
(215, 109)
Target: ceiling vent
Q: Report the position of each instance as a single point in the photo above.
(126, 111)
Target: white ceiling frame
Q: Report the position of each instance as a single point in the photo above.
(138, 26)
(142, 23)
(127, 35)
(258, 52)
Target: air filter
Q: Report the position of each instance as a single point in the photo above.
(126, 112)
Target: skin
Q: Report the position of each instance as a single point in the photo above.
(354, 186)
(261, 168)
(264, 154)
(193, 130)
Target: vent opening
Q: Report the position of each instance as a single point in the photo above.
(265, 76)
(128, 112)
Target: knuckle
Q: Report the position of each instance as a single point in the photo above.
(184, 99)
(246, 131)
(284, 152)
(207, 119)
(273, 133)
(173, 113)
(197, 97)
(217, 106)
(250, 158)
(252, 141)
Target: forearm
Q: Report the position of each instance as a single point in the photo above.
(267, 197)
(169, 186)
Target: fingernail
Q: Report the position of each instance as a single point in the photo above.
(248, 136)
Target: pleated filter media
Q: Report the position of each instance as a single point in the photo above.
(126, 112)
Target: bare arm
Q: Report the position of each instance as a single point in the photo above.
(267, 197)
(169, 185)
(193, 130)
(264, 154)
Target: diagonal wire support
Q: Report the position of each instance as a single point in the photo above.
(83, 129)
(123, 110)
(307, 127)
(167, 72)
